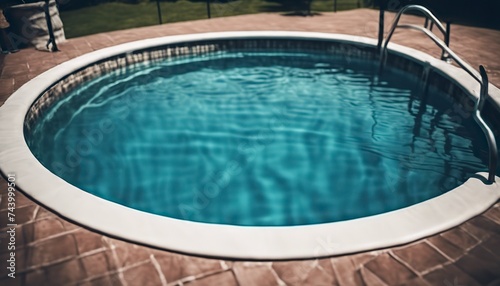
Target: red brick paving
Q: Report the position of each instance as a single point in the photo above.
(53, 251)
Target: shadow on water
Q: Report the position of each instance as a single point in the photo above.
(435, 123)
(443, 116)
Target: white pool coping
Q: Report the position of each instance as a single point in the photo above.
(373, 232)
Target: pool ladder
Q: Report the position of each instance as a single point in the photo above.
(446, 54)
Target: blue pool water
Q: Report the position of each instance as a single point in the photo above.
(259, 139)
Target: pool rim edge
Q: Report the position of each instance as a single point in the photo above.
(240, 242)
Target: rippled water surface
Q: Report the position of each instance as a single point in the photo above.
(259, 139)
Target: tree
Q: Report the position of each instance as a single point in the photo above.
(302, 7)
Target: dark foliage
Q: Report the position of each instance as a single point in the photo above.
(483, 13)
(300, 7)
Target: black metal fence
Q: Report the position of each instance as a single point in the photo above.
(84, 17)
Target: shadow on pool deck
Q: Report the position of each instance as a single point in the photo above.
(53, 251)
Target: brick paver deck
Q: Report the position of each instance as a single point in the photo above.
(53, 251)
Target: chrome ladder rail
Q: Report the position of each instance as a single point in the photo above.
(492, 144)
(481, 78)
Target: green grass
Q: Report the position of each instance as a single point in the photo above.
(117, 16)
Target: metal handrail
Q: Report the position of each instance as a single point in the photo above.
(428, 16)
(492, 144)
(481, 78)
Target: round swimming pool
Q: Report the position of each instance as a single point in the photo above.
(258, 139)
(263, 134)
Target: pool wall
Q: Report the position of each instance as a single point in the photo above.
(25, 106)
(347, 50)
